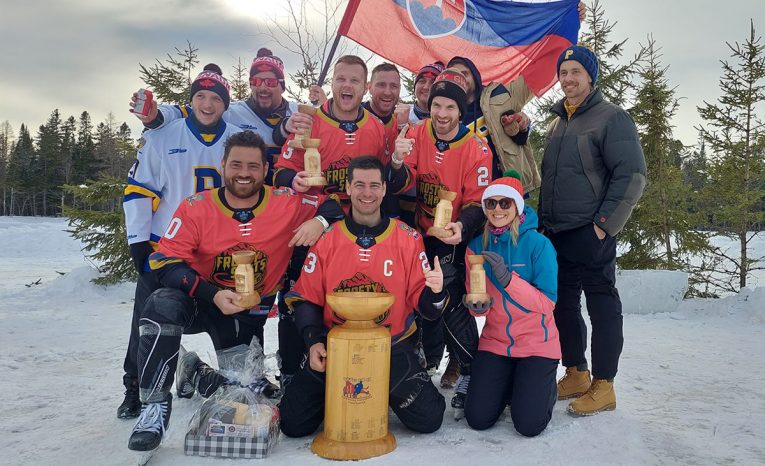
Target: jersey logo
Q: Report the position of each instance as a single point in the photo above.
(176, 151)
(221, 274)
(428, 186)
(409, 230)
(442, 145)
(360, 282)
(194, 198)
(336, 174)
(349, 126)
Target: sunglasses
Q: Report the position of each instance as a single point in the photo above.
(503, 203)
(269, 82)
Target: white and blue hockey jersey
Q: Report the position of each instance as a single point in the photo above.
(174, 162)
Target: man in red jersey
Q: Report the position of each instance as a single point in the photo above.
(366, 252)
(442, 153)
(193, 263)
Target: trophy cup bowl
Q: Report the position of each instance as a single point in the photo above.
(243, 257)
(311, 143)
(307, 109)
(358, 305)
(442, 214)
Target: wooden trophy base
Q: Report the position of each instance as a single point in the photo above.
(249, 301)
(439, 232)
(335, 450)
(477, 297)
(296, 144)
(315, 180)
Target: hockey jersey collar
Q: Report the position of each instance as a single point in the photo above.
(325, 113)
(463, 135)
(366, 236)
(219, 130)
(241, 215)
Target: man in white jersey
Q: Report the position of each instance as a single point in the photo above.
(265, 112)
(173, 163)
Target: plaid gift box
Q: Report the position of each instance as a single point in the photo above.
(200, 444)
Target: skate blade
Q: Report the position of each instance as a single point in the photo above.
(143, 457)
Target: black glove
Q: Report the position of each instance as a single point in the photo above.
(478, 308)
(499, 267)
(140, 252)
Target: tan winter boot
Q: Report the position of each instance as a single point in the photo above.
(573, 384)
(600, 397)
(451, 373)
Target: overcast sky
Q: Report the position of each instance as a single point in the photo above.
(83, 54)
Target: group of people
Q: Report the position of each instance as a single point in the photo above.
(218, 177)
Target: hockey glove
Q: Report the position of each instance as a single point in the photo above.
(499, 267)
(140, 252)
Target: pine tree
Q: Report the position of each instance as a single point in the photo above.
(171, 81)
(735, 133)
(21, 175)
(84, 163)
(6, 143)
(240, 81)
(49, 163)
(661, 233)
(101, 228)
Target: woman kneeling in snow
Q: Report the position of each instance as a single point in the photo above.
(518, 351)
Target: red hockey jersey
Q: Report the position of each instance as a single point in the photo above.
(462, 165)
(340, 142)
(394, 262)
(204, 233)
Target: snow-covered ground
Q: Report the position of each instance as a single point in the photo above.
(691, 386)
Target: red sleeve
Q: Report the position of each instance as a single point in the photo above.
(477, 176)
(310, 286)
(411, 159)
(181, 239)
(290, 158)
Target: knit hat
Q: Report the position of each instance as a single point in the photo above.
(265, 60)
(584, 56)
(429, 71)
(452, 85)
(508, 186)
(211, 79)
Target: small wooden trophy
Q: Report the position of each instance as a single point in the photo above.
(443, 215)
(297, 141)
(312, 163)
(477, 280)
(244, 277)
(357, 381)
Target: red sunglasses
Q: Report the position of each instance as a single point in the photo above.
(269, 82)
(503, 203)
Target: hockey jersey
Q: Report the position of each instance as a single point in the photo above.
(462, 165)
(240, 114)
(173, 163)
(204, 232)
(392, 262)
(341, 141)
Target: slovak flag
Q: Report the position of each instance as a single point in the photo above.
(504, 38)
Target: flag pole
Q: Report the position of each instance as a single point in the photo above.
(342, 30)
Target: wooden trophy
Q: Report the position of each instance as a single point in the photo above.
(358, 376)
(443, 214)
(244, 277)
(297, 141)
(478, 292)
(312, 163)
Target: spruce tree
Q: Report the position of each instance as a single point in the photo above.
(6, 142)
(21, 165)
(171, 81)
(735, 134)
(49, 163)
(661, 233)
(84, 162)
(240, 81)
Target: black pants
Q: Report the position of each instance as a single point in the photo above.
(587, 263)
(291, 344)
(461, 332)
(147, 283)
(431, 333)
(528, 384)
(413, 397)
(168, 313)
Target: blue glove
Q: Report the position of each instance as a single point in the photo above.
(499, 267)
(478, 308)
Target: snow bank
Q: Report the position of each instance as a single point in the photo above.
(745, 306)
(651, 291)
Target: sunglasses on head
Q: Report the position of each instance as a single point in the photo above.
(503, 203)
(269, 82)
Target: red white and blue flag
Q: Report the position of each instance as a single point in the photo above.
(504, 38)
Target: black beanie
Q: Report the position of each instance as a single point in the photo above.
(450, 84)
(211, 79)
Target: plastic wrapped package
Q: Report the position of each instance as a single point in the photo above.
(236, 421)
